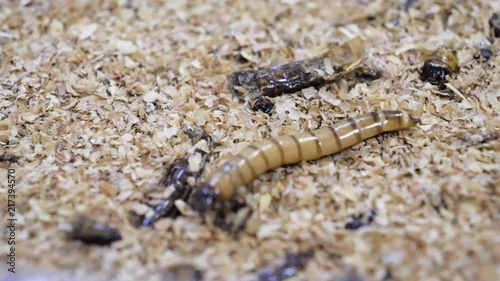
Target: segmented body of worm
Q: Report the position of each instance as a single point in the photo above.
(294, 76)
(268, 154)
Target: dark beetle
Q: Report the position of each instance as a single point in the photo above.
(440, 63)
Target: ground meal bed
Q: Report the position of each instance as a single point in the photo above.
(98, 98)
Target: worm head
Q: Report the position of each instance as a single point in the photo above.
(203, 199)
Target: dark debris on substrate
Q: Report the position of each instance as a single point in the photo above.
(365, 74)
(182, 272)
(177, 175)
(90, 231)
(9, 158)
(484, 54)
(232, 218)
(262, 103)
(361, 220)
(292, 265)
(495, 24)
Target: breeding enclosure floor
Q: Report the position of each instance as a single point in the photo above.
(95, 96)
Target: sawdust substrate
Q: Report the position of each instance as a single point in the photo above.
(94, 96)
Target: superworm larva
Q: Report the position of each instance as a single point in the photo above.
(294, 76)
(268, 154)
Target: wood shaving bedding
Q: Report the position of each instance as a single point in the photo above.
(94, 94)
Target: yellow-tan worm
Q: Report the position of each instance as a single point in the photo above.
(268, 154)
